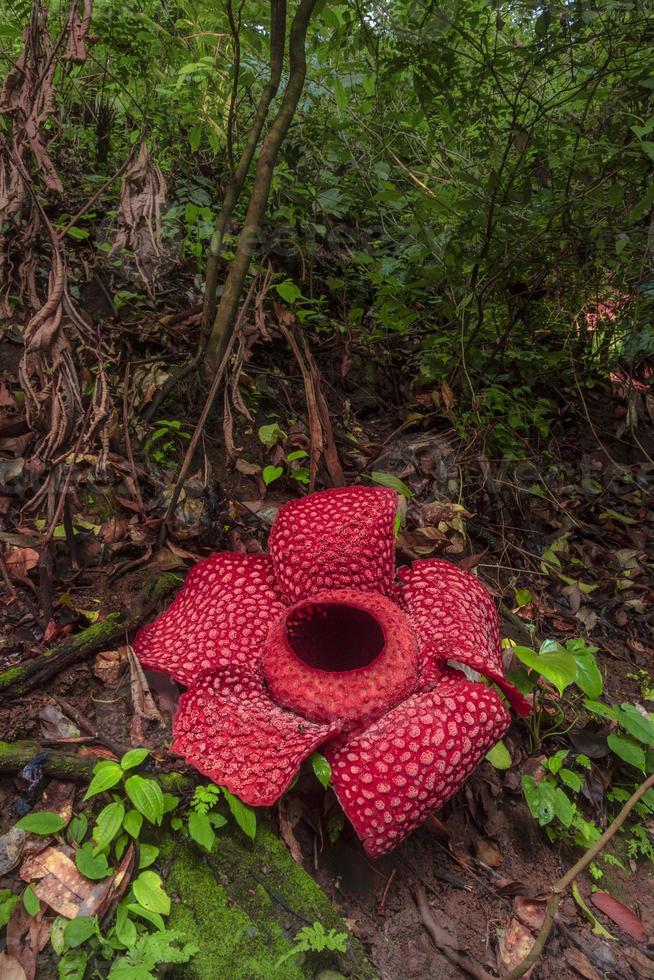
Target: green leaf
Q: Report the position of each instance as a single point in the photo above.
(522, 597)
(559, 666)
(297, 454)
(628, 750)
(271, 434)
(148, 854)
(120, 846)
(201, 830)
(563, 807)
(635, 723)
(499, 757)
(392, 482)
(147, 797)
(243, 814)
(598, 928)
(125, 928)
(134, 758)
(105, 775)
(271, 473)
(589, 677)
(599, 708)
(321, 768)
(78, 930)
(555, 762)
(72, 965)
(540, 799)
(92, 866)
(30, 901)
(76, 830)
(79, 234)
(152, 917)
(171, 802)
(133, 822)
(571, 779)
(57, 934)
(44, 823)
(7, 903)
(107, 825)
(288, 291)
(149, 893)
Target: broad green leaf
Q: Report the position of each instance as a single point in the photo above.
(522, 597)
(243, 814)
(599, 708)
(134, 758)
(149, 892)
(563, 807)
(555, 762)
(72, 965)
(44, 823)
(271, 434)
(31, 901)
(627, 749)
(57, 934)
(105, 775)
(321, 768)
(540, 799)
(147, 797)
(78, 930)
(133, 822)
(92, 866)
(392, 482)
(635, 723)
(288, 291)
(499, 757)
(125, 928)
(201, 830)
(146, 914)
(76, 830)
(557, 666)
(571, 779)
(148, 854)
(589, 677)
(271, 473)
(107, 825)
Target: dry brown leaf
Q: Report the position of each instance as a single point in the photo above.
(580, 962)
(12, 845)
(290, 813)
(10, 968)
(146, 713)
(515, 943)
(488, 851)
(110, 665)
(20, 561)
(530, 912)
(61, 886)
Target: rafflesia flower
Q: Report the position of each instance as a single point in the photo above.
(318, 645)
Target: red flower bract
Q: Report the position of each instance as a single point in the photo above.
(317, 644)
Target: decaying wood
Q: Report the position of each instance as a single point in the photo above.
(18, 680)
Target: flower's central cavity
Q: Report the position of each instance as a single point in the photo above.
(315, 646)
(334, 636)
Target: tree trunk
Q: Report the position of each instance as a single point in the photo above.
(225, 317)
(237, 178)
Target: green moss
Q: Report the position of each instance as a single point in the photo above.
(9, 677)
(231, 945)
(243, 904)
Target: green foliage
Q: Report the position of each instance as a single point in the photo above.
(315, 938)
(163, 446)
(44, 823)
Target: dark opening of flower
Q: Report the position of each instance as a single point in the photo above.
(317, 644)
(334, 635)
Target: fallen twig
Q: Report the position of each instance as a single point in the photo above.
(562, 884)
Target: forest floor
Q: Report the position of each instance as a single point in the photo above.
(569, 527)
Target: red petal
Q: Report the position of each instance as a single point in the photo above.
(221, 616)
(407, 764)
(455, 618)
(230, 730)
(335, 539)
